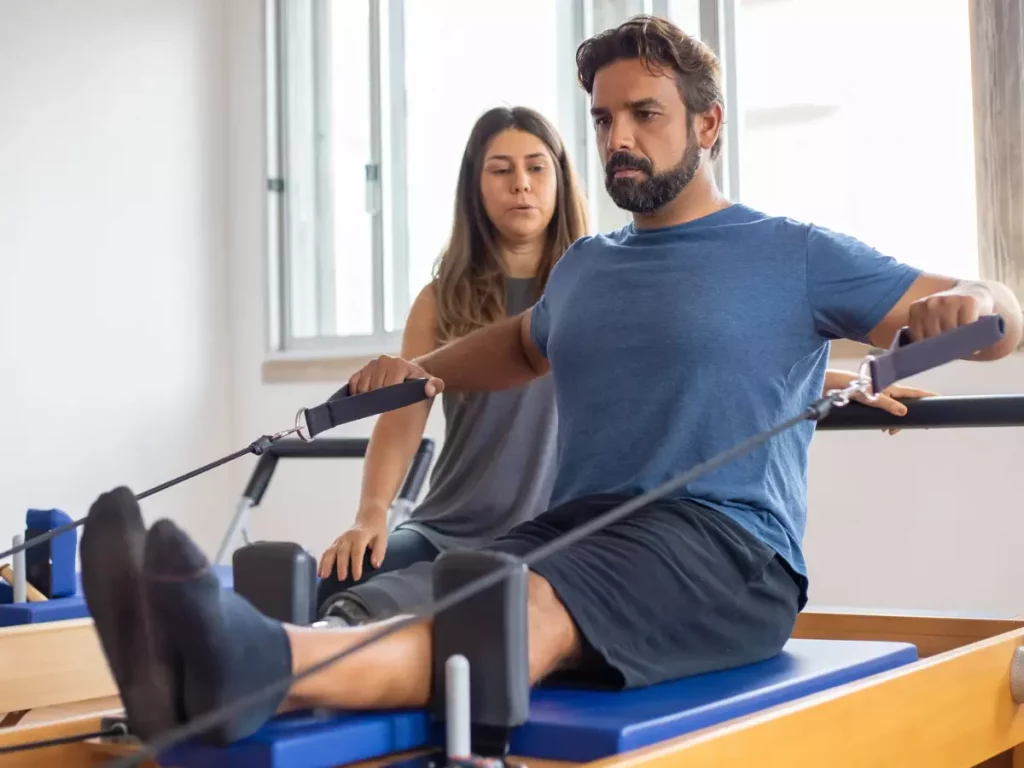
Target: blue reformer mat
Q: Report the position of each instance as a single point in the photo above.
(564, 724)
(74, 607)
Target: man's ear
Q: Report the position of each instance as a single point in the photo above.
(709, 126)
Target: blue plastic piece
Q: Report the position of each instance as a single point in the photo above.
(571, 725)
(74, 607)
(51, 566)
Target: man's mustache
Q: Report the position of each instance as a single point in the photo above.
(624, 161)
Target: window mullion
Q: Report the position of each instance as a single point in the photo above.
(396, 167)
(718, 30)
(373, 169)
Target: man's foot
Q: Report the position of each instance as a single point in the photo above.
(113, 543)
(228, 648)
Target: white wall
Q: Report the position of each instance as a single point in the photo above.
(921, 520)
(113, 325)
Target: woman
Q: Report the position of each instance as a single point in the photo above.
(518, 208)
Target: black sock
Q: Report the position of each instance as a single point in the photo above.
(112, 549)
(228, 648)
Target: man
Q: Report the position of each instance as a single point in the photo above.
(651, 334)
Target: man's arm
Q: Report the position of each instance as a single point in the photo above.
(500, 356)
(934, 304)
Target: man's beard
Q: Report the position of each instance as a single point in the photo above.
(645, 196)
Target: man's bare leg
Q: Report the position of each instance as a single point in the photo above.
(395, 671)
(229, 651)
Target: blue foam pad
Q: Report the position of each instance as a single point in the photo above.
(51, 565)
(309, 740)
(564, 724)
(74, 607)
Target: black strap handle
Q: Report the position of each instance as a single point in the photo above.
(341, 407)
(907, 357)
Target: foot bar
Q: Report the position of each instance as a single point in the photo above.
(953, 412)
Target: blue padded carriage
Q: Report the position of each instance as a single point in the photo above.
(567, 724)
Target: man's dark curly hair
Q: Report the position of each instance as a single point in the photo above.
(660, 45)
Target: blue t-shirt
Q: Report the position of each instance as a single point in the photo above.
(668, 346)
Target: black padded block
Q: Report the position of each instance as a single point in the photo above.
(490, 630)
(278, 578)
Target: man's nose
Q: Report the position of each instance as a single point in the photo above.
(620, 136)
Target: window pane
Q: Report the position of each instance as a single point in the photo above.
(351, 153)
(611, 13)
(686, 15)
(491, 56)
(300, 255)
(858, 117)
(327, 130)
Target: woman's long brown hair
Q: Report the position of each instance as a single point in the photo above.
(469, 279)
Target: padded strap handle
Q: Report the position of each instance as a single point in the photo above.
(907, 357)
(341, 407)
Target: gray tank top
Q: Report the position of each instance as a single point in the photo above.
(496, 467)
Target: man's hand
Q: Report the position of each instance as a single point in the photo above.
(386, 371)
(935, 304)
(948, 310)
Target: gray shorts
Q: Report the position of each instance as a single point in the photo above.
(674, 590)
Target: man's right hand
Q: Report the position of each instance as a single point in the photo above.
(349, 549)
(386, 371)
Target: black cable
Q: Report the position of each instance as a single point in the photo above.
(339, 409)
(257, 448)
(817, 410)
(115, 730)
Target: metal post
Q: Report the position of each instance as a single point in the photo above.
(20, 583)
(237, 524)
(457, 717)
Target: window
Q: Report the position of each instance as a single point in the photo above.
(370, 105)
(859, 117)
(494, 57)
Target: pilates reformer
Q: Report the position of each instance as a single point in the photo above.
(848, 689)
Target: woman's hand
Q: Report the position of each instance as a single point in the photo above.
(370, 530)
(888, 400)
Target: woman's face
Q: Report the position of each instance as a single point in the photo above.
(519, 185)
